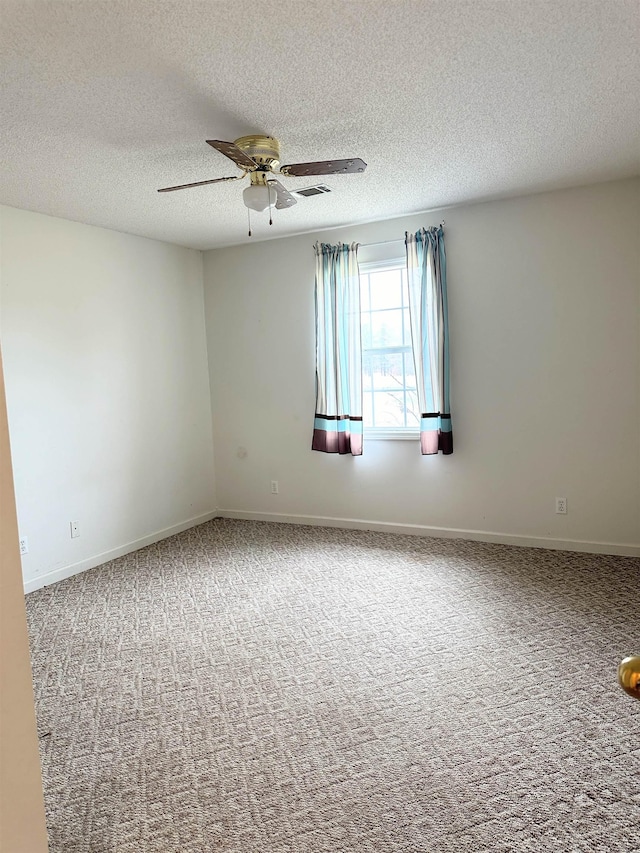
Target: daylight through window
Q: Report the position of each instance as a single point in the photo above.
(390, 400)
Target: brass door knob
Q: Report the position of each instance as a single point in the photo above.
(629, 675)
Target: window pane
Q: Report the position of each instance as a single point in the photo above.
(389, 381)
(413, 413)
(385, 289)
(364, 293)
(407, 328)
(386, 370)
(405, 288)
(389, 409)
(367, 371)
(386, 328)
(409, 370)
(366, 330)
(367, 409)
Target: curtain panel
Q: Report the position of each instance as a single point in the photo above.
(338, 416)
(427, 278)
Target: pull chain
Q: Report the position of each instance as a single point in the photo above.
(269, 196)
(249, 217)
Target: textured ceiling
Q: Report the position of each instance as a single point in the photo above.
(104, 102)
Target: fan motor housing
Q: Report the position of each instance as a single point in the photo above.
(265, 150)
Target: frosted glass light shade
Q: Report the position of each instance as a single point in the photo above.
(258, 196)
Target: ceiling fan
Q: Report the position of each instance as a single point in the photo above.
(259, 158)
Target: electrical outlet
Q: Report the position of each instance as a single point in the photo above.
(274, 487)
(75, 529)
(561, 506)
(24, 545)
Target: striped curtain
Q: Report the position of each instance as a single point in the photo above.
(338, 418)
(427, 277)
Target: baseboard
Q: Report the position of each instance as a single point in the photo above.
(97, 560)
(623, 550)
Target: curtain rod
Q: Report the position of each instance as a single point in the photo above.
(381, 242)
(384, 242)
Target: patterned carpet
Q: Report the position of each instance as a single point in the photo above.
(263, 688)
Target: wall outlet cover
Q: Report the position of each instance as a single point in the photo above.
(561, 506)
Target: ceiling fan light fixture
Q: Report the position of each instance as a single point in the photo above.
(258, 158)
(259, 197)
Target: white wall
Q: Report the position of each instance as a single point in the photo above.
(544, 296)
(107, 390)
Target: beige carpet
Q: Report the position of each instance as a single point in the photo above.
(265, 688)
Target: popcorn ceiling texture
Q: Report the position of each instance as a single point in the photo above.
(104, 102)
(266, 688)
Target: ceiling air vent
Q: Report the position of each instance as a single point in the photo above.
(318, 189)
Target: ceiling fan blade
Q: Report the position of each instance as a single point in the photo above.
(231, 150)
(199, 184)
(325, 167)
(285, 199)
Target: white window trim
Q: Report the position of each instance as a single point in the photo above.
(380, 266)
(378, 433)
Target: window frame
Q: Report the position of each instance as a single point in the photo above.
(394, 261)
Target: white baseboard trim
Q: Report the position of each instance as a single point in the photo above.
(97, 560)
(618, 549)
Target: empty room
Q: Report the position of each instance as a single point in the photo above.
(320, 447)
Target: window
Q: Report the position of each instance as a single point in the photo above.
(375, 322)
(390, 399)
